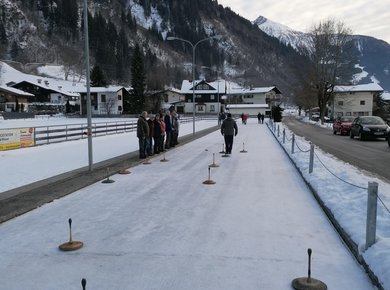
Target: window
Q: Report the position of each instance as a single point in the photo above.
(340, 103)
(348, 114)
(198, 96)
(212, 108)
(362, 103)
(119, 97)
(120, 108)
(200, 108)
(212, 97)
(103, 98)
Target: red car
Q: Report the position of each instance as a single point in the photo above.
(342, 125)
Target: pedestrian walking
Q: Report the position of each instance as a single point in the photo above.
(244, 118)
(262, 118)
(229, 129)
(259, 118)
(142, 134)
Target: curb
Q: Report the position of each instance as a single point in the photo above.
(18, 201)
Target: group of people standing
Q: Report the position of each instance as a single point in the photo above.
(260, 118)
(156, 133)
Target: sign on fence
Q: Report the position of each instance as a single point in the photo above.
(16, 138)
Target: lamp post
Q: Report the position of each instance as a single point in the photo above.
(193, 69)
(89, 121)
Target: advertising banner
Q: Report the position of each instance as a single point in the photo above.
(16, 138)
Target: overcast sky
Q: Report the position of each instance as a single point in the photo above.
(371, 18)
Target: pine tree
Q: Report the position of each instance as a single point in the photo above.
(137, 101)
(97, 77)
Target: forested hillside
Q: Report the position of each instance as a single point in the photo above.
(51, 32)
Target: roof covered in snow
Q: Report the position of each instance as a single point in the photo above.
(15, 91)
(242, 106)
(372, 87)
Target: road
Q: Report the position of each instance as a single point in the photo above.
(372, 155)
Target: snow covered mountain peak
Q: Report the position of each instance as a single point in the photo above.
(300, 41)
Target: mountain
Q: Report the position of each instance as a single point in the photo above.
(51, 32)
(372, 55)
(300, 41)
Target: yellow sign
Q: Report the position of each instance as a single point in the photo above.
(16, 138)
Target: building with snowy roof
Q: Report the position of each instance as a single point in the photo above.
(355, 100)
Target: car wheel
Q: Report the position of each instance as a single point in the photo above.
(361, 137)
(388, 140)
(334, 132)
(351, 135)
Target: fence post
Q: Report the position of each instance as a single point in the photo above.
(311, 157)
(372, 201)
(47, 135)
(292, 143)
(284, 135)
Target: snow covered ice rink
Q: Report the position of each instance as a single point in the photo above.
(160, 227)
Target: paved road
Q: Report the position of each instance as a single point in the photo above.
(372, 155)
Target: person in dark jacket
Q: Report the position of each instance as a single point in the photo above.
(229, 129)
(142, 134)
(151, 134)
(156, 134)
(168, 129)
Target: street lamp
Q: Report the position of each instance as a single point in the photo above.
(89, 113)
(193, 69)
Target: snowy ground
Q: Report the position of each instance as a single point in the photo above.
(161, 228)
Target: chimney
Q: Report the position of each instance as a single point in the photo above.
(39, 81)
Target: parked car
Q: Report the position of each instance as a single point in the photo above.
(388, 136)
(342, 125)
(369, 127)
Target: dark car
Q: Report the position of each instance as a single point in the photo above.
(369, 127)
(342, 125)
(388, 136)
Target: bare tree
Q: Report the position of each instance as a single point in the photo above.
(108, 105)
(329, 39)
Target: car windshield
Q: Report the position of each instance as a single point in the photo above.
(372, 121)
(346, 119)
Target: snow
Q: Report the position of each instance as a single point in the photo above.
(371, 87)
(161, 228)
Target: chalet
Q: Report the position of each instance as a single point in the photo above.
(207, 96)
(356, 100)
(44, 92)
(12, 99)
(252, 101)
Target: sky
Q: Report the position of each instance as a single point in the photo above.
(363, 17)
(160, 227)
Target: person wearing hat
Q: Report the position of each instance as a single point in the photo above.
(229, 129)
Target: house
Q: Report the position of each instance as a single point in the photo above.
(104, 100)
(12, 99)
(355, 100)
(165, 99)
(220, 95)
(252, 101)
(207, 96)
(49, 96)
